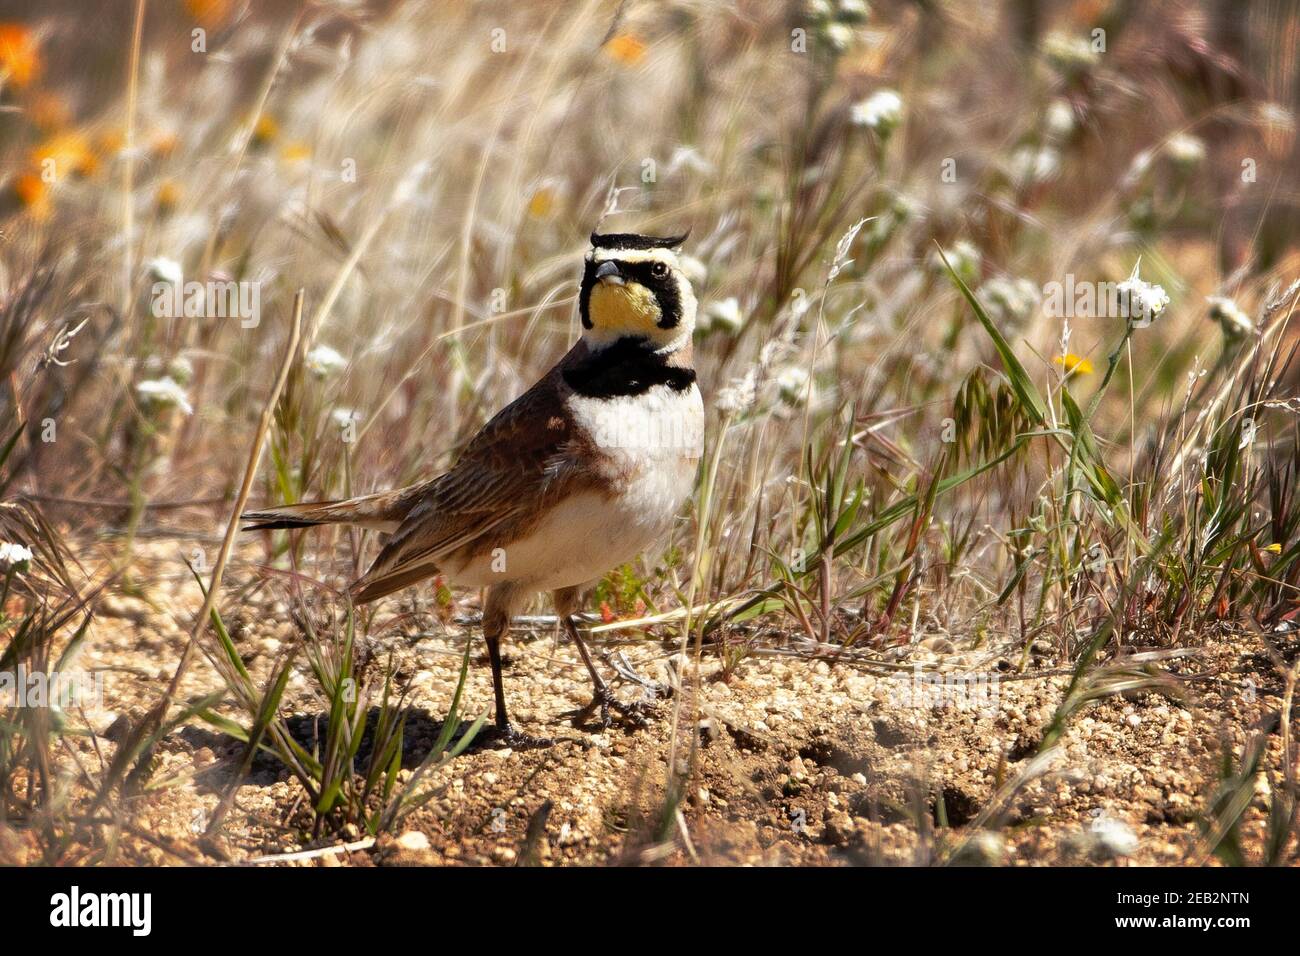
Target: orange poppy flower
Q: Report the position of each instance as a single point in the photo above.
(20, 54)
(626, 49)
(209, 13)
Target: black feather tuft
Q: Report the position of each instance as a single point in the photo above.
(632, 240)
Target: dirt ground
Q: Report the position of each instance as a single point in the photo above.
(797, 760)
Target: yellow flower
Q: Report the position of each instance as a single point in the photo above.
(209, 13)
(66, 154)
(20, 54)
(626, 49)
(1274, 548)
(110, 142)
(1074, 364)
(265, 129)
(169, 194)
(32, 194)
(542, 202)
(294, 153)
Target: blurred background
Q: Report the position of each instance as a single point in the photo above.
(428, 173)
(918, 454)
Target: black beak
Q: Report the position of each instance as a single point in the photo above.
(608, 273)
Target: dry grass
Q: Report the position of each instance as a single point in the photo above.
(882, 467)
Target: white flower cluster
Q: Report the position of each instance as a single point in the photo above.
(1059, 121)
(1185, 150)
(14, 555)
(1010, 299)
(1069, 54)
(323, 361)
(165, 392)
(963, 256)
(881, 111)
(736, 398)
(1034, 164)
(836, 20)
(1143, 301)
(723, 315)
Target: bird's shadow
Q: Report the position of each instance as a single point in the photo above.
(309, 731)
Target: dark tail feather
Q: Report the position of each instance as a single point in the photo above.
(383, 511)
(288, 516)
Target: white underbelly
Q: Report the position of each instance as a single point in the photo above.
(587, 534)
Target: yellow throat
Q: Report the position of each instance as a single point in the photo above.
(623, 308)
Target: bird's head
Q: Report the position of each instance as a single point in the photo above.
(633, 286)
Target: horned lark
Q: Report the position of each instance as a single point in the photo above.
(578, 475)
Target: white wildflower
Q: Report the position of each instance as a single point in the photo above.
(343, 417)
(1138, 168)
(181, 370)
(165, 392)
(14, 556)
(1069, 54)
(1035, 164)
(694, 269)
(818, 9)
(1276, 116)
(323, 361)
(737, 397)
(838, 35)
(1228, 314)
(725, 315)
(1059, 119)
(792, 384)
(1010, 299)
(162, 269)
(690, 159)
(881, 111)
(854, 11)
(963, 256)
(1186, 151)
(1141, 301)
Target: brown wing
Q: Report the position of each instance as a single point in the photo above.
(528, 455)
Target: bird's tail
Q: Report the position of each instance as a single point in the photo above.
(383, 511)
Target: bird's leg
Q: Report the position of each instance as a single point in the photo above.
(496, 621)
(602, 697)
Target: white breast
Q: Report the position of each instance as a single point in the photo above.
(654, 442)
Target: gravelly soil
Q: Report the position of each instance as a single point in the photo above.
(796, 760)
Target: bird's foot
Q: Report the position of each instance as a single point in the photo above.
(507, 737)
(634, 714)
(650, 689)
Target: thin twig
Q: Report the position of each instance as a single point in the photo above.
(365, 844)
(128, 164)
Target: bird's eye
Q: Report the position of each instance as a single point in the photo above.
(659, 270)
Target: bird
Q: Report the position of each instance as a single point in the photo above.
(581, 473)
